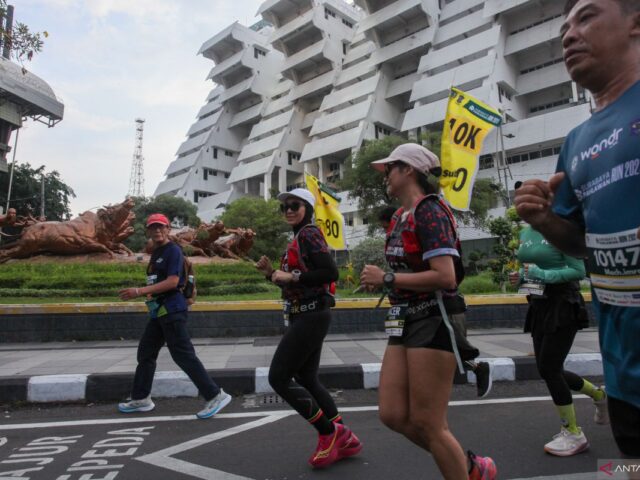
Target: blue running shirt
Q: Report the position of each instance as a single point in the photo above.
(601, 158)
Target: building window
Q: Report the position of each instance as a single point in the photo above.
(531, 155)
(382, 132)
(334, 166)
(347, 23)
(227, 153)
(503, 93)
(550, 105)
(215, 152)
(205, 174)
(531, 25)
(226, 175)
(257, 52)
(328, 13)
(542, 65)
(486, 161)
(349, 220)
(293, 156)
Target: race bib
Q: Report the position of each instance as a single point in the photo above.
(394, 323)
(534, 289)
(286, 311)
(614, 263)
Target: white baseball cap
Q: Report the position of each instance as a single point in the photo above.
(414, 155)
(300, 193)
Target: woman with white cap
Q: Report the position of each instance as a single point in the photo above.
(425, 323)
(306, 277)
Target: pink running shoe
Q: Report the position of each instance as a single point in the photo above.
(482, 468)
(327, 451)
(352, 446)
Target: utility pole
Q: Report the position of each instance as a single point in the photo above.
(503, 164)
(136, 180)
(42, 196)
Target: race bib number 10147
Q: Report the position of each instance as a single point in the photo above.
(614, 262)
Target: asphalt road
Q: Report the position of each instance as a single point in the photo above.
(257, 438)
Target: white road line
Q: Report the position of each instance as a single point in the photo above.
(3, 440)
(163, 458)
(180, 418)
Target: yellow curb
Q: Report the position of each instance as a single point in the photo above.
(254, 305)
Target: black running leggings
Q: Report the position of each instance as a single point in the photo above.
(298, 358)
(551, 350)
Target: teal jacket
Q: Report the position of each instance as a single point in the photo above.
(547, 263)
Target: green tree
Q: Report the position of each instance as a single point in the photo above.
(23, 44)
(264, 218)
(26, 192)
(366, 184)
(173, 207)
(507, 231)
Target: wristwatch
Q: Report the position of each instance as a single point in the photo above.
(388, 280)
(295, 276)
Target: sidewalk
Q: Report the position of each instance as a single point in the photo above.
(104, 370)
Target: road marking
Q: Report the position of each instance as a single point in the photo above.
(181, 418)
(3, 440)
(163, 458)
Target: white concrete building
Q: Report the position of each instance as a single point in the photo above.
(335, 75)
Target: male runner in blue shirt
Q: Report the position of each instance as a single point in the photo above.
(590, 208)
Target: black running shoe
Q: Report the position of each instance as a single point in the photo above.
(483, 378)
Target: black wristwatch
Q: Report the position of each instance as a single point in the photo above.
(388, 280)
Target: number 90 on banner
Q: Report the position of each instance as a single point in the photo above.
(330, 228)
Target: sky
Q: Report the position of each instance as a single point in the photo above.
(112, 61)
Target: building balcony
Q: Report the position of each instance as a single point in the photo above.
(183, 163)
(244, 58)
(543, 78)
(205, 123)
(402, 85)
(279, 105)
(464, 48)
(247, 115)
(326, 80)
(209, 107)
(313, 54)
(192, 143)
(292, 27)
(271, 125)
(333, 144)
(475, 70)
(471, 22)
(171, 184)
(541, 129)
(351, 93)
(496, 7)
(390, 16)
(456, 8)
(309, 119)
(357, 72)
(419, 41)
(346, 116)
(248, 170)
(237, 89)
(223, 163)
(435, 112)
(532, 37)
(261, 147)
(360, 51)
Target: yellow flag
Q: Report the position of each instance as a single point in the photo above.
(467, 123)
(328, 216)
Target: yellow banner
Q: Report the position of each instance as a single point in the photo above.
(328, 216)
(467, 124)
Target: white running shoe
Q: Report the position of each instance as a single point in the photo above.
(565, 443)
(133, 406)
(214, 405)
(601, 415)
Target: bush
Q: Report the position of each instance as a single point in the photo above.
(368, 252)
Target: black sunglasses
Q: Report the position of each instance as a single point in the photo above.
(293, 206)
(390, 166)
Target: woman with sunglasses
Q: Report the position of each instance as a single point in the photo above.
(306, 277)
(425, 323)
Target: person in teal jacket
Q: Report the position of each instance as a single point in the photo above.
(556, 313)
